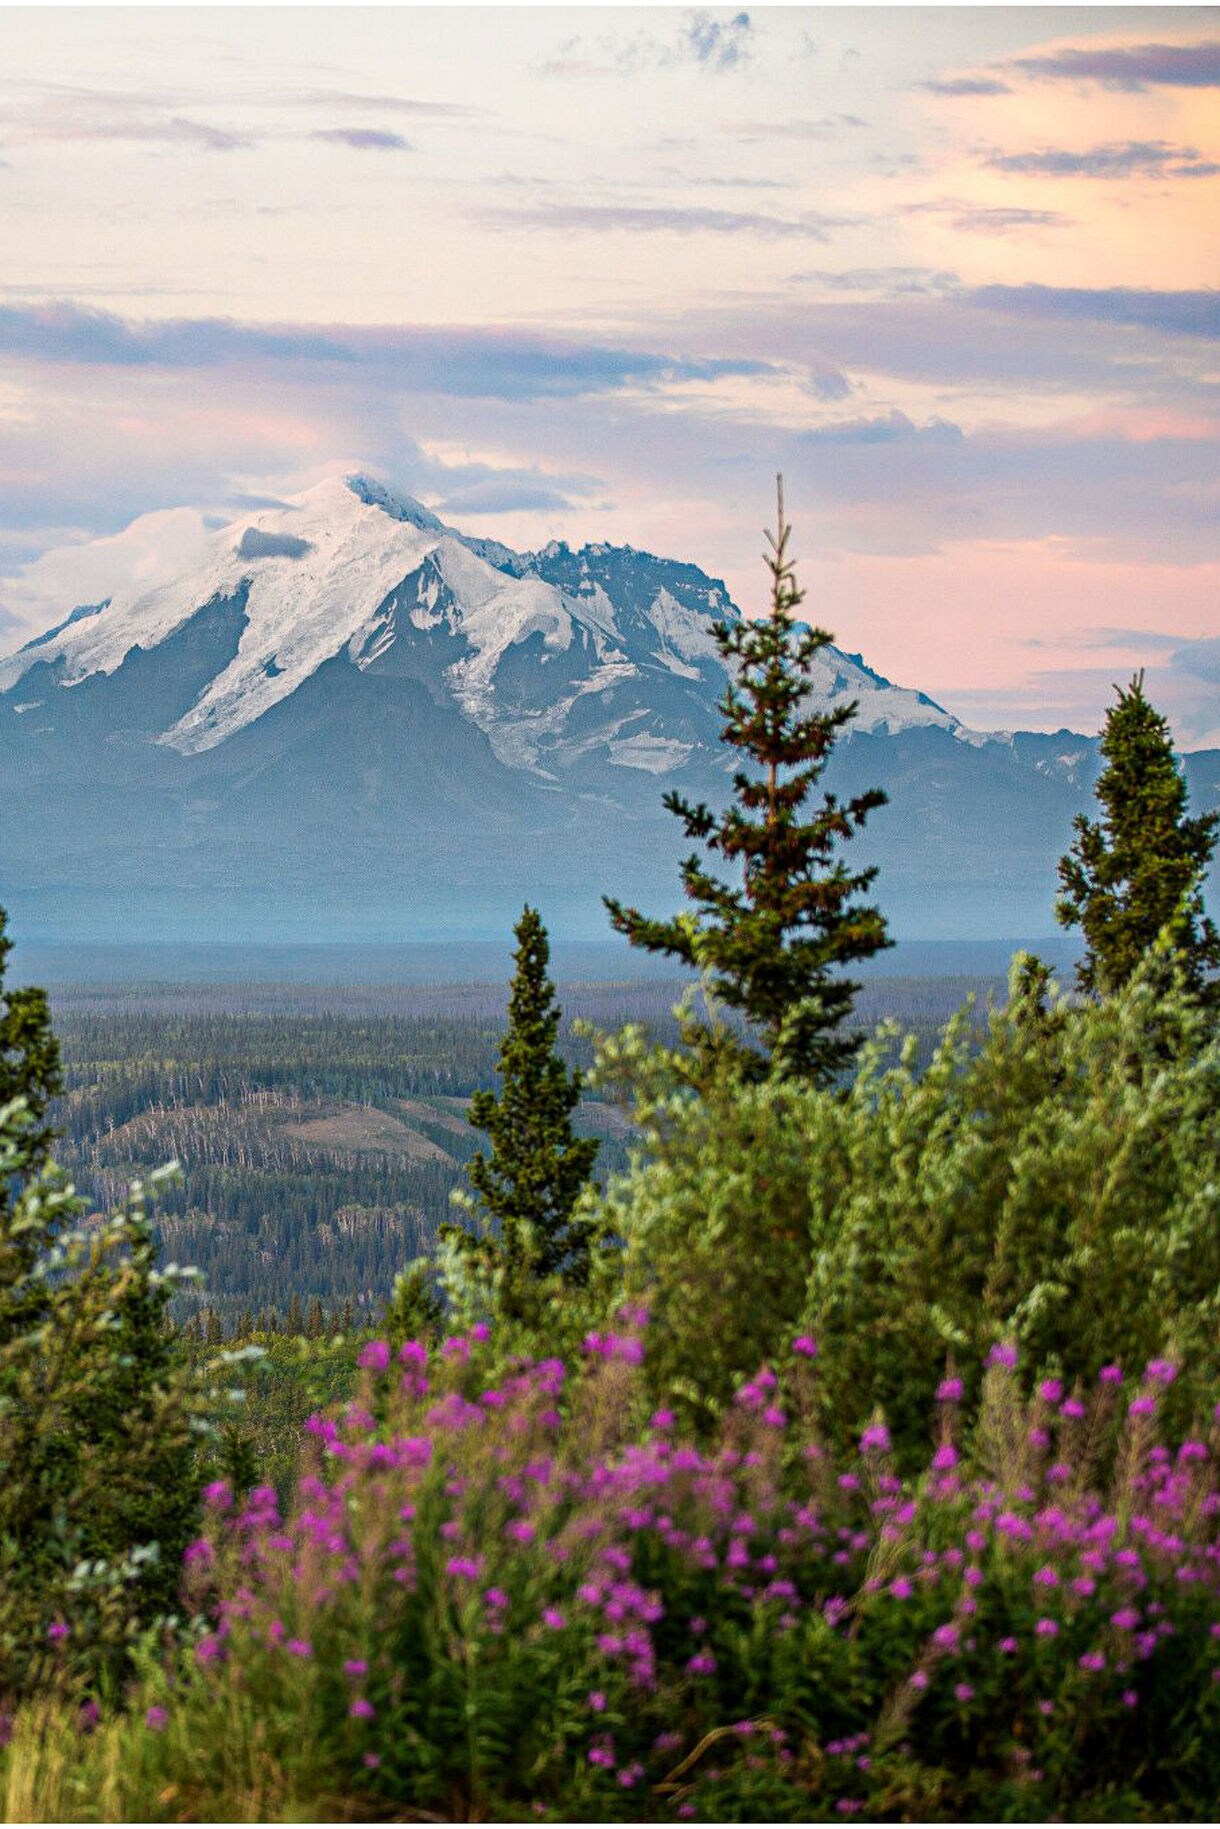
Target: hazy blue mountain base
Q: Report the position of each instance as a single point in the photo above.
(262, 752)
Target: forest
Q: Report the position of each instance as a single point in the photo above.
(320, 1144)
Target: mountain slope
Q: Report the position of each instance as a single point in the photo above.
(353, 721)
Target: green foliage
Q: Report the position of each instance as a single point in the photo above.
(1140, 869)
(529, 1184)
(29, 1058)
(98, 1458)
(772, 948)
(100, 1418)
(415, 1310)
(1055, 1185)
(713, 1214)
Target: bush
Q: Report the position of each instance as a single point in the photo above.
(500, 1597)
(1056, 1185)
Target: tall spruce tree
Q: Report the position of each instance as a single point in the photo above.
(529, 1183)
(772, 946)
(1139, 871)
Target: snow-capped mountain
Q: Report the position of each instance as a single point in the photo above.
(350, 720)
(554, 654)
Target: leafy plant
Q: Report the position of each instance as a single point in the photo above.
(1054, 1184)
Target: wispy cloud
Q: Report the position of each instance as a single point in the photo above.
(988, 219)
(1190, 314)
(513, 494)
(1130, 67)
(716, 42)
(966, 85)
(823, 127)
(891, 282)
(1117, 159)
(351, 100)
(167, 130)
(363, 139)
(477, 363)
(889, 428)
(659, 219)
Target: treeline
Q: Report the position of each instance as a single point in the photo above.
(269, 1216)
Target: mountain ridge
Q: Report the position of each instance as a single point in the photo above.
(349, 718)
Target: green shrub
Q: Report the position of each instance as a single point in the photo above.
(1058, 1185)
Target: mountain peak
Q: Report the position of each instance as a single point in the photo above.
(399, 506)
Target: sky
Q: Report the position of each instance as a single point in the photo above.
(599, 274)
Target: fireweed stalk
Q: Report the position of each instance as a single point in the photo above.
(515, 1591)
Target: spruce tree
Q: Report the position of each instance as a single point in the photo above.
(529, 1183)
(772, 946)
(1139, 870)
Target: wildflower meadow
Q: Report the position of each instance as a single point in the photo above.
(511, 1590)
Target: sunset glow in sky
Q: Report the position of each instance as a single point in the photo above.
(597, 274)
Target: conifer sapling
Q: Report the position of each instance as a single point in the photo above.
(1138, 872)
(529, 1183)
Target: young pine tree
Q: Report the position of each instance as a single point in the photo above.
(772, 946)
(529, 1183)
(1139, 870)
